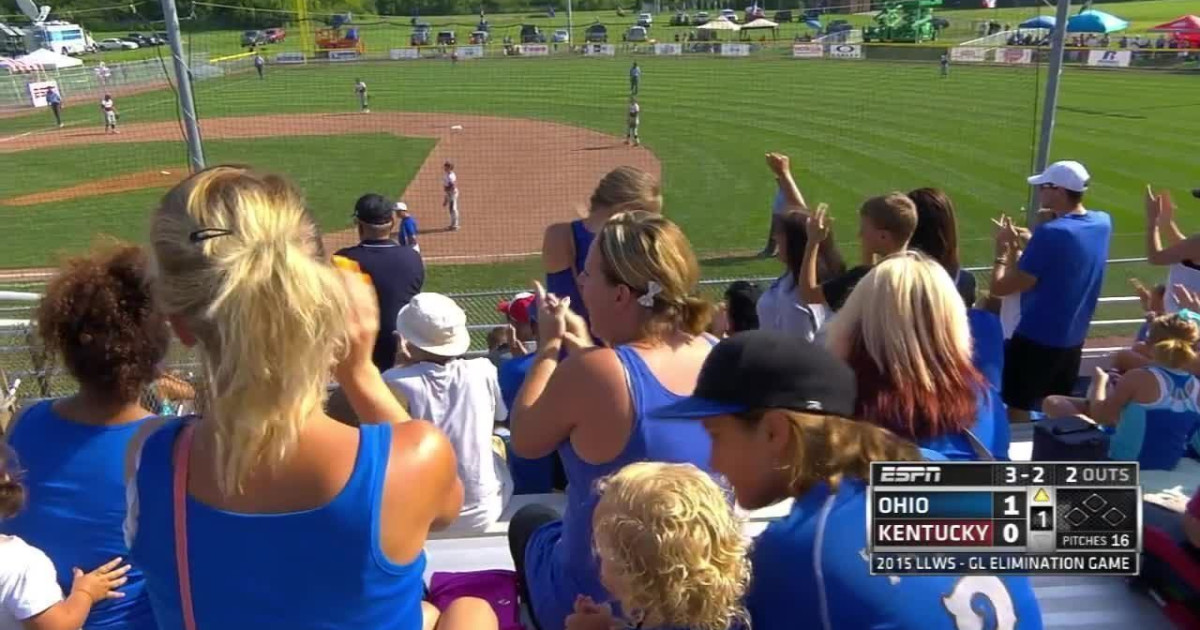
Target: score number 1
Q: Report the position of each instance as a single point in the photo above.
(1010, 518)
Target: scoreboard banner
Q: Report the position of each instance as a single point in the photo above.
(994, 518)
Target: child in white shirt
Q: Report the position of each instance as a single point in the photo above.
(30, 598)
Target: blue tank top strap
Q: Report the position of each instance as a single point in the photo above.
(637, 376)
(581, 240)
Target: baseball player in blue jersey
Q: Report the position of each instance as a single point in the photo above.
(777, 409)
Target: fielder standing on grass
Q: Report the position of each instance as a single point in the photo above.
(110, 114)
(55, 100)
(635, 119)
(945, 63)
(635, 77)
(360, 88)
(259, 64)
(450, 187)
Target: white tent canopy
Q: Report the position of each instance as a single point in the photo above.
(719, 24)
(760, 23)
(49, 59)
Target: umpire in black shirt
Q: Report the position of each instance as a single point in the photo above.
(397, 271)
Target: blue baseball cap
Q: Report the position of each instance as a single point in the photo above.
(760, 369)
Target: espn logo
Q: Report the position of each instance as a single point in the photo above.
(910, 474)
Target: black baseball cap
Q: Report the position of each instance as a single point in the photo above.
(761, 369)
(374, 209)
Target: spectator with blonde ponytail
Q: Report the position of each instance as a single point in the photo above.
(779, 412)
(1156, 409)
(596, 407)
(286, 518)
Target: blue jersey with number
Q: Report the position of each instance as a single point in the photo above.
(811, 571)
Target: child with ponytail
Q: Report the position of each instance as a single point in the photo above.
(1156, 409)
(778, 411)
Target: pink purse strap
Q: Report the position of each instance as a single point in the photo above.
(183, 449)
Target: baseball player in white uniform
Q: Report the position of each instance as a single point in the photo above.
(635, 119)
(360, 88)
(450, 187)
(110, 114)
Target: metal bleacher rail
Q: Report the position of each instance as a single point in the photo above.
(22, 356)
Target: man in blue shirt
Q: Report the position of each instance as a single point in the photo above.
(407, 235)
(397, 272)
(635, 77)
(54, 99)
(1059, 277)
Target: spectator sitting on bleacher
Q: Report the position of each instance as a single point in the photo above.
(671, 552)
(886, 223)
(597, 407)
(1059, 277)
(277, 492)
(780, 307)
(98, 316)
(565, 245)
(738, 311)
(778, 411)
(1156, 409)
(459, 396)
(905, 334)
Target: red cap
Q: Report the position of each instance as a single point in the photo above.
(522, 308)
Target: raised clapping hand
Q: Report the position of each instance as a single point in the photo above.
(589, 615)
(557, 323)
(1186, 298)
(1160, 210)
(102, 583)
(818, 224)
(1006, 234)
(779, 164)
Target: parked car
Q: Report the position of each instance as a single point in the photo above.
(253, 38)
(275, 35)
(636, 34)
(480, 37)
(530, 34)
(730, 14)
(680, 19)
(144, 41)
(596, 34)
(783, 16)
(116, 43)
(837, 26)
(446, 38)
(645, 20)
(701, 19)
(421, 35)
(561, 36)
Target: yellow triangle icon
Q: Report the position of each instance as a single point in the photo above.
(1041, 496)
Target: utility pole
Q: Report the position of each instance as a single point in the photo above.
(183, 79)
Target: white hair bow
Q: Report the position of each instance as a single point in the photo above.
(652, 289)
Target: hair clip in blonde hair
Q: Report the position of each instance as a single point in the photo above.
(653, 288)
(203, 234)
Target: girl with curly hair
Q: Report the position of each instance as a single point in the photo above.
(98, 319)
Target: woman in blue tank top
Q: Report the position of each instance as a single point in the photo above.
(597, 408)
(98, 317)
(905, 333)
(278, 494)
(779, 412)
(565, 245)
(1156, 409)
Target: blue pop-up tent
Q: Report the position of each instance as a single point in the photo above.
(1042, 21)
(1093, 21)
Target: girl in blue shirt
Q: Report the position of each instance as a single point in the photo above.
(905, 333)
(777, 410)
(98, 317)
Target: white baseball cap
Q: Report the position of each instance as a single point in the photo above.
(400, 207)
(435, 324)
(1066, 174)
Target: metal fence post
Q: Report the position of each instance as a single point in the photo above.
(183, 79)
(1057, 48)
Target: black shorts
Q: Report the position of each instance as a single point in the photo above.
(1033, 371)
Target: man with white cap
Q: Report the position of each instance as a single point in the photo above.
(407, 230)
(460, 396)
(1059, 277)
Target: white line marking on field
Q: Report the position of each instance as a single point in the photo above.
(18, 136)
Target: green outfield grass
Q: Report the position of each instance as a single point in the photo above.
(381, 33)
(854, 129)
(315, 162)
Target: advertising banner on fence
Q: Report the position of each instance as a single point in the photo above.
(1014, 55)
(38, 90)
(535, 50)
(969, 54)
(470, 52)
(600, 50)
(343, 55)
(1109, 58)
(808, 51)
(291, 57)
(735, 50)
(845, 51)
(668, 49)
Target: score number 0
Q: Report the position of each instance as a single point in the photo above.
(1011, 532)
